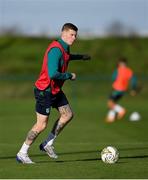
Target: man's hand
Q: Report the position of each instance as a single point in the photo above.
(73, 76)
(86, 57)
(133, 93)
(136, 91)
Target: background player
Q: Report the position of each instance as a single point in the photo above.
(122, 77)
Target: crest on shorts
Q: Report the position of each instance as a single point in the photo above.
(47, 110)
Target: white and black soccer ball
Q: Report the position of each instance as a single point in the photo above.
(110, 155)
(135, 116)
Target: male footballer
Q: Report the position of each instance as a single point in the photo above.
(48, 92)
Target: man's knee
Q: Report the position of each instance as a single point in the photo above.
(68, 116)
(39, 127)
(111, 104)
(43, 126)
(41, 123)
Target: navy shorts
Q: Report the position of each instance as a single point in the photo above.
(116, 95)
(45, 100)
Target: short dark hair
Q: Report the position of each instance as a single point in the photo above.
(122, 60)
(68, 26)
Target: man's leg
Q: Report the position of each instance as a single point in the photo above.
(38, 127)
(114, 108)
(121, 111)
(111, 113)
(65, 116)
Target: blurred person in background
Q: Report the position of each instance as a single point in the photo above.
(48, 92)
(122, 77)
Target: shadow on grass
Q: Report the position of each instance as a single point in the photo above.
(95, 152)
(60, 154)
(91, 159)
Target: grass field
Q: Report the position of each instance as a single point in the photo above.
(80, 144)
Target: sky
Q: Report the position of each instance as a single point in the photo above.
(91, 16)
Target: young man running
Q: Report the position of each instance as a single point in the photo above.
(122, 77)
(48, 92)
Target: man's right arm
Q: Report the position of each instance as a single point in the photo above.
(114, 75)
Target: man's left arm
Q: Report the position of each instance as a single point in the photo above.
(134, 86)
(84, 57)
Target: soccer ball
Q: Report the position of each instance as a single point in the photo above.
(135, 116)
(109, 155)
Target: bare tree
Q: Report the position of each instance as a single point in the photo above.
(118, 29)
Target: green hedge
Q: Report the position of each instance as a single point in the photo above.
(23, 55)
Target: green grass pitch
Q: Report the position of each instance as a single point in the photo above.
(81, 142)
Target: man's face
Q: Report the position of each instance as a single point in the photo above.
(69, 36)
